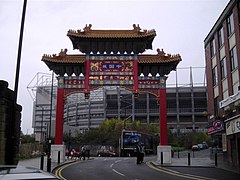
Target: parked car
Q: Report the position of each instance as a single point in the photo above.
(105, 153)
(195, 147)
(200, 146)
(205, 145)
(75, 153)
(21, 172)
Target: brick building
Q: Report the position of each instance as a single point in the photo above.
(222, 55)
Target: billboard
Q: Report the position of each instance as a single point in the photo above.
(130, 139)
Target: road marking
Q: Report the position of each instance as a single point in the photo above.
(176, 173)
(118, 172)
(118, 161)
(58, 172)
(115, 163)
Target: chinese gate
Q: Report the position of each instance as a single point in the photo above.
(112, 58)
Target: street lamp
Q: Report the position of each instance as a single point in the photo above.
(121, 99)
(49, 132)
(125, 115)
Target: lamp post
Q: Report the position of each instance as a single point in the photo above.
(49, 132)
(125, 110)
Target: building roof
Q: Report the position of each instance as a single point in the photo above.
(152, 63)
(63, 57)
(159, 58)
(107, 41)
(88, 32)
(219, 22)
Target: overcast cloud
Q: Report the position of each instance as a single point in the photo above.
(181, 27)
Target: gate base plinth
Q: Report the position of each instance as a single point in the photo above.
(166, 152)
(55, 149)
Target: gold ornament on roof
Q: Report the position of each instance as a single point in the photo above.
(136, 27)
(87, 28)
(63, 52)
(161, 52)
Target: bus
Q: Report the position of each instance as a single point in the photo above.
(130, 139)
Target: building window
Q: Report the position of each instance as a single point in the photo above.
(230, 24)
(223, 68)
(233, 58)
(212, 48)
(216, 106)
(220, 37)
(239, 12)
(215, 77)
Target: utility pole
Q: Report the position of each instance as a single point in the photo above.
(20, 49)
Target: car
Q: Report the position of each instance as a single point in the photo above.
(200, 146)
(75, 154)
(105, 153)
(205, 145)
(22, 172)
(195, 147)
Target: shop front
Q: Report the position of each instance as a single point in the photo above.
(233, 140)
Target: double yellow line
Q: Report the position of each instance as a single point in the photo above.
(58, 171)
(176, 173)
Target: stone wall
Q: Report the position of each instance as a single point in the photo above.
(10, 120)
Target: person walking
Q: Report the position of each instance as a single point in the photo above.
(88, 152)
(141, 153)
(83, 152)
(138, 153)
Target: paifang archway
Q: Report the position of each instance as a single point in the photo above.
(112, 58)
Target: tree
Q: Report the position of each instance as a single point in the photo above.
(188, 139)
(27, 139)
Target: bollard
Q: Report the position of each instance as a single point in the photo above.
(49, 164)
(178, 154)
(58, 157)
(189, 159)
(42, 162)
(193, 153)
(216, 163)
(161, 158)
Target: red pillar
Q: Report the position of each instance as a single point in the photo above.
(135, 76)
(163, 116)
(87, 74)
(59, 116)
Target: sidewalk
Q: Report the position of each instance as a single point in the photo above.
(35, 163)
(183, 162)
(197, 161)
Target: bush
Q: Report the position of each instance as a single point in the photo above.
(30, 150)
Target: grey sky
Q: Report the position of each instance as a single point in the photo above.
(181, 27)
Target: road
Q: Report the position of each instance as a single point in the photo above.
(125, 168)
(112, 168)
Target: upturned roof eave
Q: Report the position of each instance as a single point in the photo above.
(81, 59)
(110, 34)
